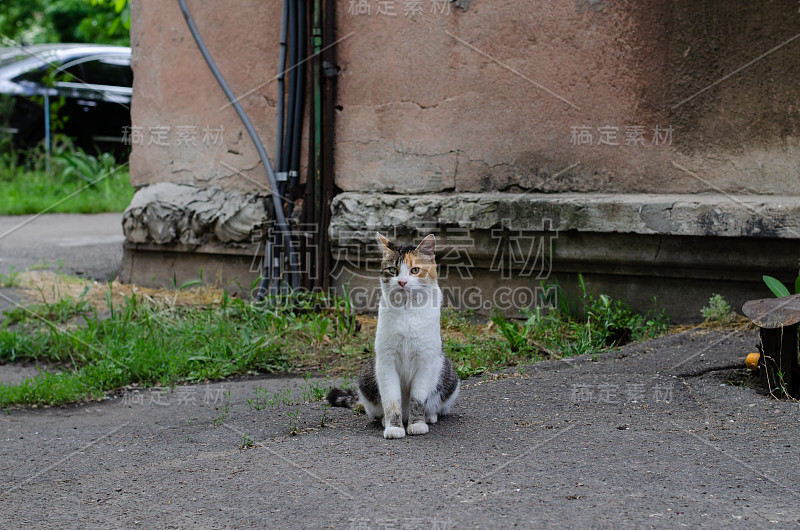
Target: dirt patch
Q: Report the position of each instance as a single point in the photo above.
(49, 287)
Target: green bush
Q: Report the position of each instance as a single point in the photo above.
(718, 310)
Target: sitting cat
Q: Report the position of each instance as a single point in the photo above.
(409, 379)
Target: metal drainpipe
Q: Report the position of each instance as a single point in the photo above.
(316, 104)
(328, 133)
(299, 98)
(289, 136)
(271, 269)
(299, 108)
(281, 84)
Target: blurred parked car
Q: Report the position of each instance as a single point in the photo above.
(94, 80)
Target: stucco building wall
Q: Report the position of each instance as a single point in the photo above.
(583, 96)
(190, 133)
(630, 99)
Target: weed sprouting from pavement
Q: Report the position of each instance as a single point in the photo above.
(219, 420)
(294, 418)
(718, 310)
(314, 390)
(325, 408)
(260, 399)
(310, 391)
(247, 441)
(9, 279)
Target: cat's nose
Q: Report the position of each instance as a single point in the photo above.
(402, 283)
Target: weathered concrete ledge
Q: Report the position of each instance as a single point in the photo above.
(176, 233)
(173, 214)
(717, 215)
(678, 248)
(496, 250)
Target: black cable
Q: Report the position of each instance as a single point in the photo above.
(281, 85)
(271, 264)
(290, 122)
(300, 95)
(276, 199)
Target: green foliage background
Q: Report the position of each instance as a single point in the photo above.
(45, 21)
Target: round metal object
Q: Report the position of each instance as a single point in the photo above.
(773, 313)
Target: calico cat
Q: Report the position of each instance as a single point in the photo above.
(409, 379)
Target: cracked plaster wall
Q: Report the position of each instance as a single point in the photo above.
(205, 144)
(485, 100)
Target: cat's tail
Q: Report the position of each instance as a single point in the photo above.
(343, 397)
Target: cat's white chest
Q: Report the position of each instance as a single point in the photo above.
(408, 333)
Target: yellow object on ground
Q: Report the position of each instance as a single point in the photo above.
(752, 360)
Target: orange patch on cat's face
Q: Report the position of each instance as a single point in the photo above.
(427, 267)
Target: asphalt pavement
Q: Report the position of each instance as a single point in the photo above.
(78, 245)
(666, 433)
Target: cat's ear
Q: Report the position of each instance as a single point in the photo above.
(386, 246)
(427, 246)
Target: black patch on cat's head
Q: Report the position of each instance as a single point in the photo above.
(404, 249)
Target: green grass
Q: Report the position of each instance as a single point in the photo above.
(76, 183)
(31, 192)
(145, 343)
(11, 279)
(599, 323)
(59, 312)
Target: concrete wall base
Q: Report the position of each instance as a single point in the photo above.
(235, 270)
(503, 250)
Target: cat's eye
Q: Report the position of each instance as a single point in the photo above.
(391, 270)
(414, 270)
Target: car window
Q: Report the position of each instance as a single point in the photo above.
(107, 71)
(34, 76)
(47, 75)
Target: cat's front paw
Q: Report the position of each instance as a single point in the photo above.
(393, 432)
(418, 428)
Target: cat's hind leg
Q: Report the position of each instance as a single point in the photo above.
(369, 393)
(374, 410)
(446, 391)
